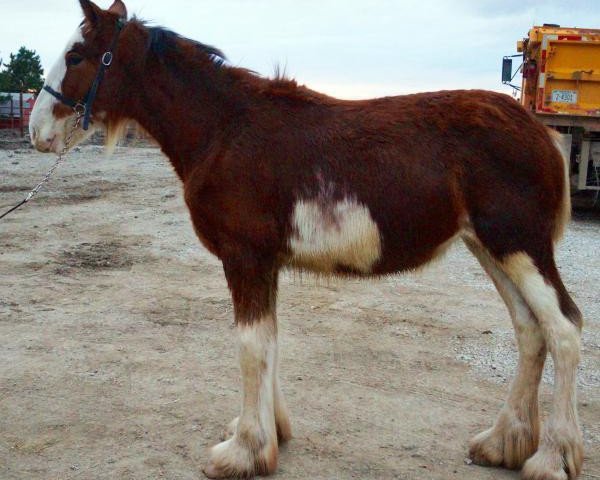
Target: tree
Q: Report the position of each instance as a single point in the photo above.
(23, 72)
(3, 98)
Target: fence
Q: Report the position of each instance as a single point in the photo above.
(15, 110)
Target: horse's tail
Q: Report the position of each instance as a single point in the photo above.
(564, 213)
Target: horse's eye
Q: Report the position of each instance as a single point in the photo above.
(74, 59)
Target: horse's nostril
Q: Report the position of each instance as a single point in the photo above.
(34, 134)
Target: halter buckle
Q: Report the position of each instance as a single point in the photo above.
(79, 109)
(107, 59)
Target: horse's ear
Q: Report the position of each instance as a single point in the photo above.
(118, 8)
(90, 10)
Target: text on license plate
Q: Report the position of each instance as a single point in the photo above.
(564, 96)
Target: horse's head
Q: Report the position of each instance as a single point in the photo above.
(68, 88)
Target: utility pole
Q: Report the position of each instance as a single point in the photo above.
(12, 112)
(21, 109)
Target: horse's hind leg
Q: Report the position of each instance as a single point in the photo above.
(560, 453)
(514, 436)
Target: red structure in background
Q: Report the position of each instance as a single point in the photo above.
(10, 110)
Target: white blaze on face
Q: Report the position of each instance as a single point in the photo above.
(45, 130)
(331, 235)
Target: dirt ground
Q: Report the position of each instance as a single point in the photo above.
(118, 360)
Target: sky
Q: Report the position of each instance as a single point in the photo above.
(346, 48)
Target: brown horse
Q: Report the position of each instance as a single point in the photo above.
(276, 175)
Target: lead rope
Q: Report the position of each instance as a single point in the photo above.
(59, 159)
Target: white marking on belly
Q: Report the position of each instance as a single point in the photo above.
(333, 234)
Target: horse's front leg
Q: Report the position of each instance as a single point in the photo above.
(253, 448)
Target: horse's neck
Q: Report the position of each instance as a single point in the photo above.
(188, 117)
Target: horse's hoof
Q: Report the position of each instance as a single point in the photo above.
(509, 443)
(232, 459)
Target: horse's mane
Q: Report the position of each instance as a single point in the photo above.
(164, 44)
(163, 41)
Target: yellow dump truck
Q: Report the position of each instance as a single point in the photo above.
(561, 86)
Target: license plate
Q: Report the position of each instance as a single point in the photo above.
(564, 96)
